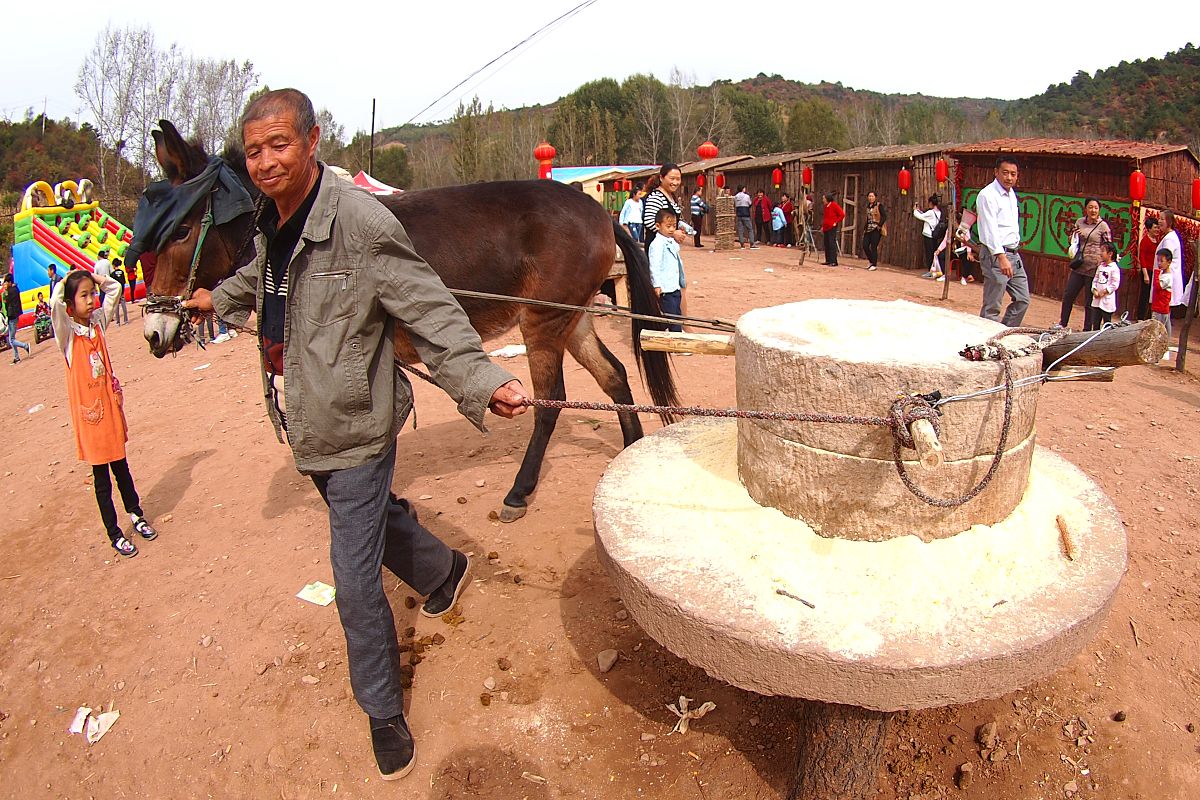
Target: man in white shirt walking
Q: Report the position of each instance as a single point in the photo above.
(102, 266)
(1000, 233)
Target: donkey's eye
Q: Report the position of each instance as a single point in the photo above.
(182, 232)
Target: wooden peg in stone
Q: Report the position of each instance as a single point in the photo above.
(929, 449)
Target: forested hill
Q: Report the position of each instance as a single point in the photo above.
(1155, 100)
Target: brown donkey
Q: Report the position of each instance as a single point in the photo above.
(529, 239)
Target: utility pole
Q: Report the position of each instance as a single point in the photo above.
(371, 150)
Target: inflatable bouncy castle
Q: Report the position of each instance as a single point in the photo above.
(62, 227)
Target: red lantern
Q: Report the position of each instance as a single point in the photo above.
(707, 150)
(904, 180)
(777, 177)
(544, 153)
(1137, 187)
(721, 180)
(807, 176)
(627, 185)
(943, 171)
(1196, 197)
(700, 179)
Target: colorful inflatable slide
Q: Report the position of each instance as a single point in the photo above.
(63, 228)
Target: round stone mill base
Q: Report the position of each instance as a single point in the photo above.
(757, 599)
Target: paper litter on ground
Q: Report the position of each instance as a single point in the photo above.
(685, 716)
(80, 718)
(508, 351)
(98, 726)
(317, 592)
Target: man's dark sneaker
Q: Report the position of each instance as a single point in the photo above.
(446, 595)
(124, 547)
(395, 750)
(143, 528)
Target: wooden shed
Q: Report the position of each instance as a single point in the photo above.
(850, 174)
(709, 169)
(755, 173)
(1057, 174)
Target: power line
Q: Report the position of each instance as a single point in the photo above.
(527, 40)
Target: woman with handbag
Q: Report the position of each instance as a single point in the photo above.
(1090, 232)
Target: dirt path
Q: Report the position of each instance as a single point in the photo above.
(229, 686)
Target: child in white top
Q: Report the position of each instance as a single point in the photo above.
(1104, 286)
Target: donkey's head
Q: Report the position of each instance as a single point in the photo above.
(178, 250)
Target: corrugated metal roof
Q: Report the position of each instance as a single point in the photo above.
(777, 159)
(1099, 148)
(887, 152)
(712, 163)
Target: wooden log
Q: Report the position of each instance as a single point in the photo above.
(709, 344)
(929, 449)
(1084, 374)
(1130, 345)
(840, 750)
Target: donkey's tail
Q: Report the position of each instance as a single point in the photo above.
(654, 366)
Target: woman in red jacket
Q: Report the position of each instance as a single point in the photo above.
(1146, 261)
(829, 226)
(760, 209)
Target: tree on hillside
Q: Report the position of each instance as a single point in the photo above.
(813, 124)
(107, 84)
(128, 83)
(716, 122)
(333, 135)
(646, 108)
(686, 110)
(758, 121)
(392, 167)
(48, 150)
(467, 138)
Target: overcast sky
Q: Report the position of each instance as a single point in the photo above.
(408, 57)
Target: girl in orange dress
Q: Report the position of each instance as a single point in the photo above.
(94, 397)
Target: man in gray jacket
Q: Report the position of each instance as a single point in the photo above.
(334, 275)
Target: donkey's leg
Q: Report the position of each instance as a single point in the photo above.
(586, 348)
(546, 372)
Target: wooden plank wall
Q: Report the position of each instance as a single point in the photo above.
(1168, 185)
(904, 245)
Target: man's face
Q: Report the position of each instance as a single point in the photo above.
(1006, 173)
(280, 160)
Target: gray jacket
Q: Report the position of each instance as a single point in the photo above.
(353, 277)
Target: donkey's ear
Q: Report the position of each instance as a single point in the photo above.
(180, 160)
(167, 150)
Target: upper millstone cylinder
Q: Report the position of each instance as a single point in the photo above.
(857, 357)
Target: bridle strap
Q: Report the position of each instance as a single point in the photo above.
(166, 304)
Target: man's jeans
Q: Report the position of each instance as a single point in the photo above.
(13, 341)
(995, 284)
(368, 528)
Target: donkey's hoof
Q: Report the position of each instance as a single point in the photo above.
(512, 513)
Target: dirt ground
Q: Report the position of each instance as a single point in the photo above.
(230, 686)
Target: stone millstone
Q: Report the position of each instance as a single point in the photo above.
(756, 599)
(856, 357)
